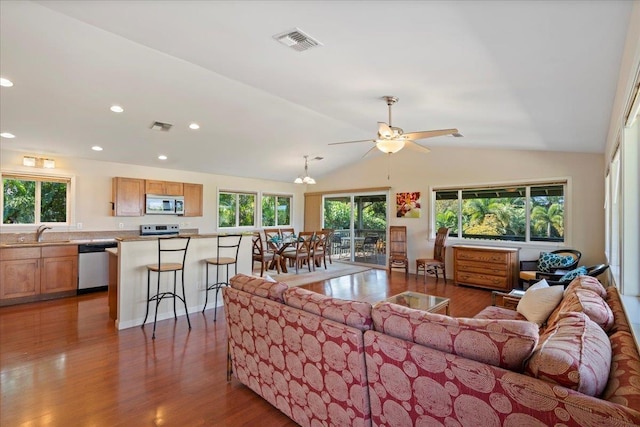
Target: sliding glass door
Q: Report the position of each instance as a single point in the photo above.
(360, 224)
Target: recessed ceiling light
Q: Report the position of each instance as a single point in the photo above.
(7, 135)
(5, 82)
(162, 157)
(116, 109)
(96, 148)
(194, 126)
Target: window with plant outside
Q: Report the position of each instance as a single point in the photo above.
(236, 209)
(513, 213)
(276, 210)
(35, 199)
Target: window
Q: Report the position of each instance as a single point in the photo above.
(520, 213)
(35, 199)
(236, 209)
(276, 210)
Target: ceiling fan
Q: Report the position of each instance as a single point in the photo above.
(392, 139)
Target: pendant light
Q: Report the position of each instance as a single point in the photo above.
(306, 179)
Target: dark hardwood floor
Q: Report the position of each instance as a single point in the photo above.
(63, 363)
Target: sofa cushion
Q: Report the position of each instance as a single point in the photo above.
(259, 286)
(504, 343)
(576, 354)
(539, 301)
(587, 282)
(499, 313)
(624, 380)
(352, 313)
(591, 304)
(570, 275)
(547, 261)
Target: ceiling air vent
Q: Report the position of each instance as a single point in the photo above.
(162, 127)
(296, 39)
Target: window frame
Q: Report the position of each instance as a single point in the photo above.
(565, 181)
(237, 194)
(70, 180)
(277, 195)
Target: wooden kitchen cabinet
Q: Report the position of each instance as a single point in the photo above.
(59, 269)
(192, 199)
(164, 188)
(128, 196)
(35, 273)
(19, 272)
(486, 267)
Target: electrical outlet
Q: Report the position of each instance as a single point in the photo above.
(79, 226)
(121, 225)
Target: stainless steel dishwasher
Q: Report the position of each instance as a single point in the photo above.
(93, 266)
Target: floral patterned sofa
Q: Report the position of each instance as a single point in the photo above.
(325, 361)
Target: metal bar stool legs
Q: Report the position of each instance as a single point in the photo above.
(226, 254)
(160, 268)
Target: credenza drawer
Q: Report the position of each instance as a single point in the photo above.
(485, 267)
(483, 280)
(481, 267)
(483, 256)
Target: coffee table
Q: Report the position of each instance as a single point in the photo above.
(419, 301)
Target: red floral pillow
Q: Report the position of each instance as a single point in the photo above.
(576, 354)
(587, 282)
(591, 304)
(504, 343)
(259, 286)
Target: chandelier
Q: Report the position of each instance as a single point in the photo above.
(306, 179)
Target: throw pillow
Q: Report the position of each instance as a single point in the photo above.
(539, 301)
(580, 271)
(575, 354)
(547, 262)
(591, 304)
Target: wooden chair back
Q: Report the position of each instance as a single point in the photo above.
(441, 239)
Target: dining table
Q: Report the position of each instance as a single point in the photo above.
(279, 245)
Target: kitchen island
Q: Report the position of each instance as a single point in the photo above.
(130, 292)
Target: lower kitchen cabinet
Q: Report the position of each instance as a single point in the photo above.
(19, 278)
(35, 273)
(59, 269)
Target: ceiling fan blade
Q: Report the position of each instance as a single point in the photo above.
(370, 150)
(351, 142)
(417, 146)
(431, 133)
(384, 130)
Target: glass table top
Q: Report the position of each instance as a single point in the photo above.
(418, 301)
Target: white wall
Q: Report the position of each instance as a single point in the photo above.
(93, 193)
(413, 171)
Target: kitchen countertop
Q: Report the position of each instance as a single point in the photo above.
(53, 243)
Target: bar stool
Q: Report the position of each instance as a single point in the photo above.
(226, 255)
(166, 246)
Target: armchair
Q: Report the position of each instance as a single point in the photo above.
(563, 277)
(549, 262)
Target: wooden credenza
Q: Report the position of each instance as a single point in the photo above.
(486, 266)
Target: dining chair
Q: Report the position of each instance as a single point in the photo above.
(321, 248)
(303, 250)
(330, 243)
(437, 263)
(398, 248)
(262, 255)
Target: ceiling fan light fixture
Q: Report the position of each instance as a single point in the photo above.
(390, 146)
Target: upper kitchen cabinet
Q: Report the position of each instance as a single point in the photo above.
(128, 196)
(192, 199)
(164, 188)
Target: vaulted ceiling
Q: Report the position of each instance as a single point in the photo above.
(525, 75)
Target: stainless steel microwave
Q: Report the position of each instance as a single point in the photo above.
(164, 205)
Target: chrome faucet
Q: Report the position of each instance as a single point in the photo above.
(40, 231)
